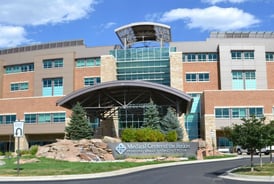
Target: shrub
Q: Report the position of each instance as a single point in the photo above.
(129, 135)
(171, 136)
(142, 135)
(33, 149)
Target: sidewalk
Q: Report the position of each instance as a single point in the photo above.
(227, 175)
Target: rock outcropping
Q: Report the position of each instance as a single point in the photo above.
(76, 151)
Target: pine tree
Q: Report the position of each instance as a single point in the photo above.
(170, 122)
(79, 127)
(151, 116)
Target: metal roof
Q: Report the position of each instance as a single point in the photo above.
(101, 98)
(143, 31)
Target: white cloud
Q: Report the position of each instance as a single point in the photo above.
(223, 1)
(212, 18)
(40, 12)
(108, 25)
(16, 14)
(11, 36)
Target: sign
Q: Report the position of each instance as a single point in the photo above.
(148, 149)
(18, 129)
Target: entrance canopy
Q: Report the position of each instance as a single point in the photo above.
(100, 100)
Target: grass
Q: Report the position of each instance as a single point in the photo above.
(57, 167)
(220, 156)
(266, 170)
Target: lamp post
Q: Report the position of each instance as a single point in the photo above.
(212, 141)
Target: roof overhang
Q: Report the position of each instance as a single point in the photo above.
(143, 31)
(103, 97)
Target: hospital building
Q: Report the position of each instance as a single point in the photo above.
(210, 83)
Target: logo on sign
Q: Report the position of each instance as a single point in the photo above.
(121, 148)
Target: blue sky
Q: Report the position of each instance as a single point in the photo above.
(27, 22)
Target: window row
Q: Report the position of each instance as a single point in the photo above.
(193, 57)
(57, 117)
(238, 113)
(45, 117)
(53, 86)
(19, 68)
(19, 86)
(197, 77)
(88, 62)
(90, 81)
(242, 55)
(53, 63)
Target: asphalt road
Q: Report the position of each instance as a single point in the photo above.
(200, 173)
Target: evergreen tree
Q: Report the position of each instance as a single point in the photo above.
(170, 122)
(79, 127)
(151, 116)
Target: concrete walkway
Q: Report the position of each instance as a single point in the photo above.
(227, 175)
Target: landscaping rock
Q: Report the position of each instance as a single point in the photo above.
(75, 151)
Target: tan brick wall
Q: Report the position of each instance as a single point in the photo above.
(176, 67)
(81, 73)
(201, 67)
(18, 78)
(209, 134)
(108, 68)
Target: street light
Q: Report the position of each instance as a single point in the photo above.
(212, 137)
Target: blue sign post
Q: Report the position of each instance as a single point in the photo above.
(18, 131)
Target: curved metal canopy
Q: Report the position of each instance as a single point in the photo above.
(102, 98)
(143, 31)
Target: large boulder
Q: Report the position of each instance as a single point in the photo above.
(75, 151)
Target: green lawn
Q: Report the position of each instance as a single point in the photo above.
(266, 170)
(56, 167)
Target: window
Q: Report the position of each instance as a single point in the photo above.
(88, 62)
(212, 56)
(19, 68)
(90, 81)
(203, 76)
(59, 117)
(238, 112)
(236, 55)
(30, 118)
(248, 54)
(191, 77)
(52, 87)
(45, 117)
(243, 80)
(200, 77)
(201, 57)
(19, 86)
(53, 63)
(269, 56)
(191, 57)
(7, 118)
(256, 111)
(222, 113)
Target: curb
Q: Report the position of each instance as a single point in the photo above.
(233, 176)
